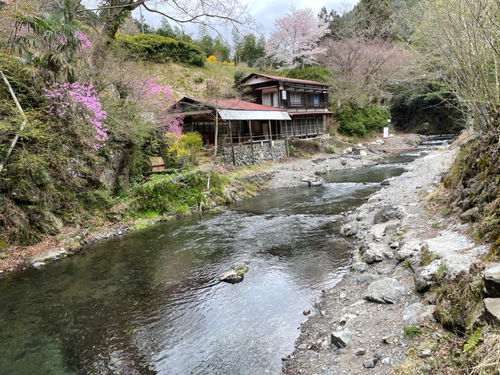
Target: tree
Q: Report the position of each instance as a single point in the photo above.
(365, 67)
(334, 23)
(51, 44)
(212, 46)
(373, 19)
(459, 40)
(211, 13)
(295, 38)
(166, 29)
(249, 49)
(143, 26)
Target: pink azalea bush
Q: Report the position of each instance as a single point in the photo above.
(78, 103)
(85, 44)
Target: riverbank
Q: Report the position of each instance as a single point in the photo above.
(365, 323)
(289, 173)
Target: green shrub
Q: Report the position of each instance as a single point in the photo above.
(165, 194)
(162, 49)
(329, 149)
(361, 122)
(96, 199)
(185, 149)
(311, 73)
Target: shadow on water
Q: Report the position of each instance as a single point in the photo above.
(150, 302)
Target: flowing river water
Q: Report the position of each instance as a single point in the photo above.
(150, 301)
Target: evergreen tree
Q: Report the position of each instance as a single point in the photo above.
(334, 22)
(250, 48)
(374, 19)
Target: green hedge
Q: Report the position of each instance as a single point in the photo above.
(362, 121)
(162, 49)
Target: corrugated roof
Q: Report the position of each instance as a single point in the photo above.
(310, 113)
(285, 79)
(235, 104)
(230, 114)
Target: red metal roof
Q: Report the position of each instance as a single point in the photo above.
(285, 79)
(235, 104)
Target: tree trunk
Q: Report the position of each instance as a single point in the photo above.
(25, 121)
(115, 18)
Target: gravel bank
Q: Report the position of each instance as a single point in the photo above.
(349, 333)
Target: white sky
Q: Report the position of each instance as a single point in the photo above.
(265, 11)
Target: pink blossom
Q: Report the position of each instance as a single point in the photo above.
(295, 38)
(153, 97)
(79, 101)
(85, 46)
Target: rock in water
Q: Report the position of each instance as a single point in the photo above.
(235, 274)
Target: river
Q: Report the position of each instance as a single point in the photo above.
(150, 301)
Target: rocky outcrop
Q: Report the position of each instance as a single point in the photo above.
(114, 171)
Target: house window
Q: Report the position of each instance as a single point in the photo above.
(270, 99)
(295, 99)
(203, 127)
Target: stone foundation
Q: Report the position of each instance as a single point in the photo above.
(262, 152)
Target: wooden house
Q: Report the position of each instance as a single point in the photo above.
(282, 108)
(305, 101)
(239, 121)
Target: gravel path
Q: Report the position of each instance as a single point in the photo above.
(373, 331)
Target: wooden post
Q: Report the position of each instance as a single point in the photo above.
(232, 145)
(293, 126)
(316, 125)
(307, 125)
(251, 140)
(271, 139)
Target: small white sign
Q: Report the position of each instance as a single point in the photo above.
(386, 132)
(283, 95)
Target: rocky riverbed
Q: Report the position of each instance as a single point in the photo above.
(357, 327)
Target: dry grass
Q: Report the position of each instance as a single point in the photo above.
(486, 357)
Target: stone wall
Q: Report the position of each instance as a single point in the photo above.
(262, 152)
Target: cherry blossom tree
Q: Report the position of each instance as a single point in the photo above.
(295, 39)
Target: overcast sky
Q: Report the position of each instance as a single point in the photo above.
(265, 11)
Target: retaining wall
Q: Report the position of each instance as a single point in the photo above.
(262, 152)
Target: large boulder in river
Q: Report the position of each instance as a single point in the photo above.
(384, 291)
(235, 274)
